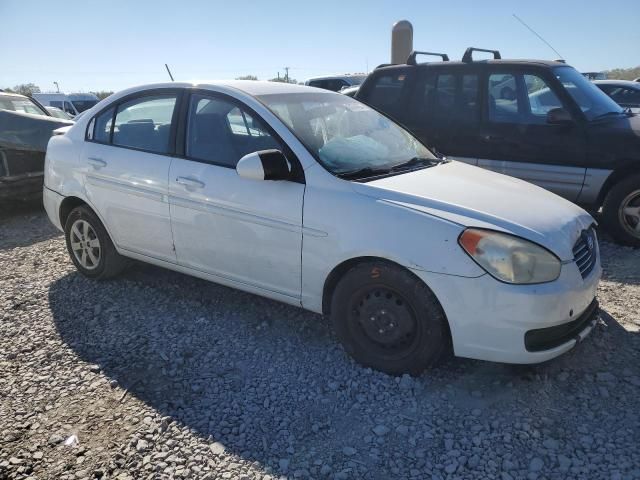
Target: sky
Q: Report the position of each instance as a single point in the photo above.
(110, 45)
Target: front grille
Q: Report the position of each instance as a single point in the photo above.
(585, 251)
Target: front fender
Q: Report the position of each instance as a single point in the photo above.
(340, 225)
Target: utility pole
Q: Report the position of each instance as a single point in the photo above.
(286, 74)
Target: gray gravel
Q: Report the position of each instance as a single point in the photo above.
(159, 375)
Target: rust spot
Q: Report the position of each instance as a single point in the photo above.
(375, 272)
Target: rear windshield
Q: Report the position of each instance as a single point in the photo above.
(17, 104)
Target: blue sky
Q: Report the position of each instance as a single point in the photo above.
(109, 45)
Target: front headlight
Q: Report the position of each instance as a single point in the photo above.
(508, 258)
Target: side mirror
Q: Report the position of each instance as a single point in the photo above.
(264, 165)
(559, 116)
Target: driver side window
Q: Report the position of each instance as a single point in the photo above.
(221, 133)
(520, 98)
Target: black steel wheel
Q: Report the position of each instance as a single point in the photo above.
(388, 319)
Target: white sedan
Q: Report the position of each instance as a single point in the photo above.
(314, 199)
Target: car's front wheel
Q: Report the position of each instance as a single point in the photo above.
(388, 319)
(621, 211)
(89, 245)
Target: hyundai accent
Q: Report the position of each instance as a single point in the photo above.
(314, 199)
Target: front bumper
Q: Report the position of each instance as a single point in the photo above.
(489, 320)
(25, 186)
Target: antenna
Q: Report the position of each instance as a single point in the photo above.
(171, 76)
(537, 35)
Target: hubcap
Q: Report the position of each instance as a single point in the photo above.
(85, 244)
(629, 213)
(386, 320)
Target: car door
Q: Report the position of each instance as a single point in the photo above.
(127, 158)
(515, 138)
(444, 112)
(246, 232)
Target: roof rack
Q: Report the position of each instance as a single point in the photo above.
(468, 53)
(412, 56)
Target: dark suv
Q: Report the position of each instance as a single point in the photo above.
(541, 121)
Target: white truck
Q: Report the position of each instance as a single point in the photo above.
(72, 103)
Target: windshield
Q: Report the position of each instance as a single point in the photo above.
(18, 104)
(343, 134)
(592, 101)
(56, 112)
(357, 79)
(82, 105)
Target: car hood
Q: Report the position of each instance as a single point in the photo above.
(473, 197)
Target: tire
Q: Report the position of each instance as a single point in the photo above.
(623, 198)
(90, 247)
(387, 319)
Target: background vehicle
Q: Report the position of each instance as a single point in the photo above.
(56, 112)
(350, 91)
(335, 83)
(595, 75)
(624, 92)
(224, 181)
(25, 128)
(72, 103)
(14, 102)
(540, 121)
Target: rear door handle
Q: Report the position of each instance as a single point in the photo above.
(493, 138)
(190, 182)
(97, 162)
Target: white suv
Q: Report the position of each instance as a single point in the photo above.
(314, 199)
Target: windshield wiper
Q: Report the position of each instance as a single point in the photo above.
(363, 173)
(602, 115)
(416, 162)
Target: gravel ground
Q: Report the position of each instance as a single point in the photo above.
(159, 375)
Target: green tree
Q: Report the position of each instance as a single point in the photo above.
(283, 80)
(27, 89)
(624, 73)
(247, 77)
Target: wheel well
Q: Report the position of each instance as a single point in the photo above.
(340, 270)
(67, 205)
(612, 179)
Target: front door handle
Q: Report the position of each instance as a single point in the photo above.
(190, 182)
(96, 162)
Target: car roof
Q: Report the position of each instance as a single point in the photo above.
(345, 75)
(625, 83)
(461, 64)
(250, 87)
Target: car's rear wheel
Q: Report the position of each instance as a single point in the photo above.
(621, 211)
(89, 245)
(388, 319)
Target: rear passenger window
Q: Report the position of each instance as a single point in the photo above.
(447, 96)
(220, 132)
(386, 91)
(145, 123)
